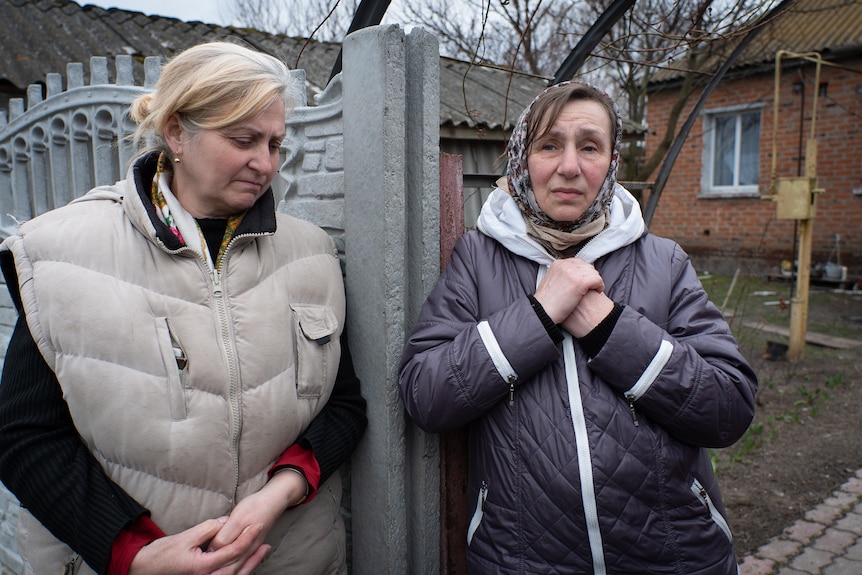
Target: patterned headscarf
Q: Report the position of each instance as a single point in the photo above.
(521, 187)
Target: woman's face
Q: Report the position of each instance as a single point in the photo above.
(569, 164)
(223, 172)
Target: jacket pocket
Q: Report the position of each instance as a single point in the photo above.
(703, 496)
(478, 514)
(313, 330)
(72, 565)
(176, 368)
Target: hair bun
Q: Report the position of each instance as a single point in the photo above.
(139, 109)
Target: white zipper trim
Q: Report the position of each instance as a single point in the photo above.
(582, 443)
(585, 461)
(703, 496)
(650, 374)
(478, 514)
(504, 368)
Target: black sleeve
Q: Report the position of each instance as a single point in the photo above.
(44, 462)
(334, 433)
(593, 342)
(554, 331)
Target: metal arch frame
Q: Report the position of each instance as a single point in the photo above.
(368, 13)
(590, 40)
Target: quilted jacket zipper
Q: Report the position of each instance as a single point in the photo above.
(649, 375)
(703, 496)
(235, 390)
(582, 444)
(478, 514)
(585, 460)
(223, 320)
(504, 368)
(233, 374)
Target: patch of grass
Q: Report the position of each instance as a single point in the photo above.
(808, 406)
(834, 381)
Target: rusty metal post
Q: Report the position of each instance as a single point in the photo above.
(453, 445)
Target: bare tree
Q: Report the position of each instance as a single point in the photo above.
(686, 37)
(528, 35)
(324, 20)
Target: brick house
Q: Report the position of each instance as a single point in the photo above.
(712, 203)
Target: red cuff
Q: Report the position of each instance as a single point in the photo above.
(129, 541)
(304, 460)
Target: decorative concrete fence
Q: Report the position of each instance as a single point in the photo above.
(59, 147)
(363, 164)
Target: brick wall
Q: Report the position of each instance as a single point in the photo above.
(726, 233)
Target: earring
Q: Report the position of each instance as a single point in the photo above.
(177, 160)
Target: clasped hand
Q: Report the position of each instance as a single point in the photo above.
(572, 294)
(231, 545)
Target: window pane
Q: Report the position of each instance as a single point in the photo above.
(722, 162)
(749, 162)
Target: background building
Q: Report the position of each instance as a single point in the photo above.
(712, 203)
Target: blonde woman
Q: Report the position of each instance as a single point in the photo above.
(176, 398)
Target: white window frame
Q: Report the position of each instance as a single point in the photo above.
(708, 190)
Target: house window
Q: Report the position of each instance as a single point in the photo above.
(731, 164)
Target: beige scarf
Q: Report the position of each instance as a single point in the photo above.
(560, 244)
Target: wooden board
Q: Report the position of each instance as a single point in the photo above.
(810, 337)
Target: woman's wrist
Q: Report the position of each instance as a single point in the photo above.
(593, 342)
(554, 331)
(593, 308)
(291, 484)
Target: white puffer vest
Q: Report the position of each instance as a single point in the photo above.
(185, 384)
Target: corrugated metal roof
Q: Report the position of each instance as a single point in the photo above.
(42, 36)
(494, 97)
(831, 27)
(483, 96)
(825, 26)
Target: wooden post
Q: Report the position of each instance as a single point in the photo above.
(799, 303)
(797, 200)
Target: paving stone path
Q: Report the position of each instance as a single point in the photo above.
(827, 541)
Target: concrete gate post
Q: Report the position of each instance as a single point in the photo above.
(391, 174)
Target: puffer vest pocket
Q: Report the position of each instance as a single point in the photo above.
(176, 368)
(42, 553)
(314, 328)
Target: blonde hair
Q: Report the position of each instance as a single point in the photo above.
(210, 86)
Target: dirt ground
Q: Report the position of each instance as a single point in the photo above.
(806, 438)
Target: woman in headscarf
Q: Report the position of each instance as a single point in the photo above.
(588, 363)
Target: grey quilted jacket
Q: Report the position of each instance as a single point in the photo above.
(578, 465)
